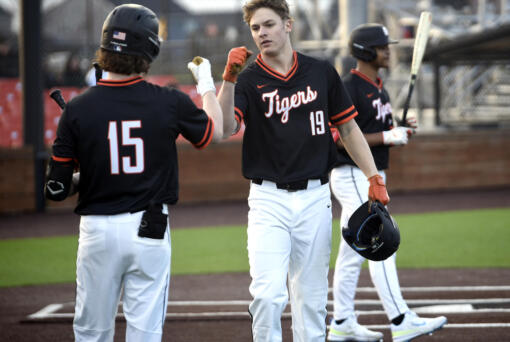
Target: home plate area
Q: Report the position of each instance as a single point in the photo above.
(481, 307)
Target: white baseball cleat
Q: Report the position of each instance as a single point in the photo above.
(351, 330)
(413, 326)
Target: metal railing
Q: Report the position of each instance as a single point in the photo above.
(470, 94)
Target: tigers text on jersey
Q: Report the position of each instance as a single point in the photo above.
(374, 113)
(122, 134)
(286, 137)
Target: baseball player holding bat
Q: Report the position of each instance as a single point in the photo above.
(122, 135)
(369, 45)
(286, 100)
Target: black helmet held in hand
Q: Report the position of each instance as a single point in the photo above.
(372, 232)
(132, 30)
(365, 38)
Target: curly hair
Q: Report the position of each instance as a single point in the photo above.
(279, 6)
(121, 63)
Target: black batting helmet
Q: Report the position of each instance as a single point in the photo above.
(372, 233)
(365, 38)
(131, 29)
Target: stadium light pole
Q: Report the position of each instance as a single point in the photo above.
(32, 101)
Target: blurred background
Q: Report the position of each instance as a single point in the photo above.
(461, 99)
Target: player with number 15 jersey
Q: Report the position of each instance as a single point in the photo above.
(121, 134)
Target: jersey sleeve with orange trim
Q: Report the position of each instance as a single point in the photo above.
(340, 103)
(194, 123)
(65, 144)
(240, 100)
(63, 160)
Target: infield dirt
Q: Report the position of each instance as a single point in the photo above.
(17, 303)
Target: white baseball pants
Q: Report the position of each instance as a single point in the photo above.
(289, 238)
(112, 259)
(350, 187)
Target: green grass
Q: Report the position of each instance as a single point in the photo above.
(460, 239)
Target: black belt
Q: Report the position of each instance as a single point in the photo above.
(292, 186)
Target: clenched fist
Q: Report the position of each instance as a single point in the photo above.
(236, 60)
(201, 70)
(397, 136)
(377, 190)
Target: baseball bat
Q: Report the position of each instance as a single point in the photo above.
(420, 43)
(56, 95)
(98, 73)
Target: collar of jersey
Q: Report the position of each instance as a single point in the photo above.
(120, 83)
(275, 73)
(378, 85)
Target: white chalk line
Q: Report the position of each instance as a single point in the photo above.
(50, 311)
(243, 314)
(47, 310)
(438, 289)
(428, 306)
(330, 302)
(356, 302)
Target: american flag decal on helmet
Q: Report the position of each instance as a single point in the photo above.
(119, 35)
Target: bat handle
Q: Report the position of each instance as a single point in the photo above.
(408, 99)
(56, 95)
(98, 72)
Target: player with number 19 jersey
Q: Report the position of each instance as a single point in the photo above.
(122, 133)
(286, 117)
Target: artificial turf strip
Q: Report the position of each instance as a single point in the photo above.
(457, 239)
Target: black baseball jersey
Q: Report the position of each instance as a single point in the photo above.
(122, 134)
(287, 137)
(375, 114)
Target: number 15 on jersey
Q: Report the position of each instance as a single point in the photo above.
(127, 140)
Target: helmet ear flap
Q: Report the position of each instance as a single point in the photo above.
(364, 53)
(155, 51)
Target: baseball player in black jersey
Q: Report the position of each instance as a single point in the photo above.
(121, 135)
(286, 100)
(369, 45)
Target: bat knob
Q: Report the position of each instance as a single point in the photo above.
(56, 95)
(197, 60)
(236, 68)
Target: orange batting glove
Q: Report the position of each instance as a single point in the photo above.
(335, 134)
(236, 60)
(377, 190)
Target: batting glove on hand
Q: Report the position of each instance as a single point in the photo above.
(411, 123)
(335, 134)
(396, 136)
(201, 70)
(377, 190)
(75, 184)
(236, 60)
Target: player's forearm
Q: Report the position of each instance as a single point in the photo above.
(213, 109)
(357, 147)
(226, 100)
(373, 139)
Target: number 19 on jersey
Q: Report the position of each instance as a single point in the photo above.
(317, 122)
